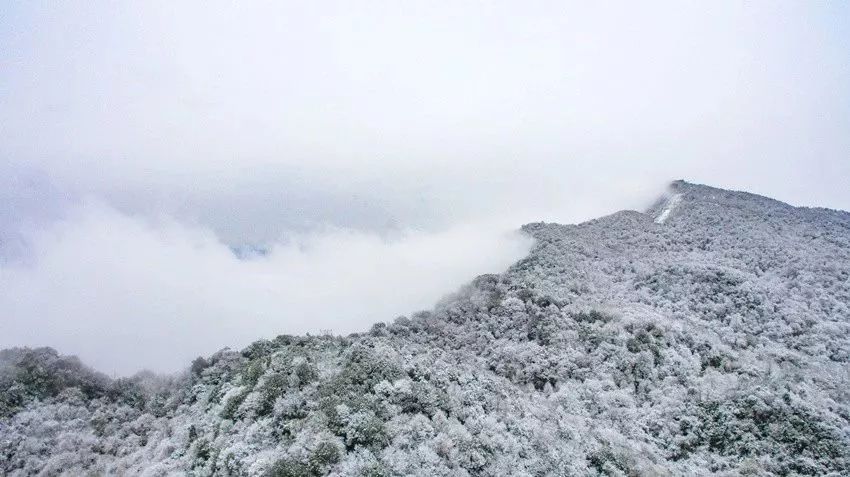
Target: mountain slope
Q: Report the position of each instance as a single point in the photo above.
(707, 336)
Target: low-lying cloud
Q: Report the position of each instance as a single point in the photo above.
(129, 292)
(129, 281)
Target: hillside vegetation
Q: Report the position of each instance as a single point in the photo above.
(707, 336)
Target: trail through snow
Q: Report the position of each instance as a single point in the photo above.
(671, 204)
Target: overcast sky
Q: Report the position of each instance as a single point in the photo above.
(380, 152)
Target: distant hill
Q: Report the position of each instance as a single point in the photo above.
(709, 335)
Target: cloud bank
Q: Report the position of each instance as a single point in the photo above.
(127, 292)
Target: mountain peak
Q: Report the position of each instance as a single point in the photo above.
(682, 197)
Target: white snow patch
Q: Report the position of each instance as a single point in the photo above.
(671, 204)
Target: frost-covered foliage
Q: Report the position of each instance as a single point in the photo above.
(28, 375)
(713, 342)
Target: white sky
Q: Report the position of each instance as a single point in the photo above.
(139, 140)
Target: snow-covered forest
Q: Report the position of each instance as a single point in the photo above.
(709, 335)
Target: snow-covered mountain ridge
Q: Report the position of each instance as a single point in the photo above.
(709, 335)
